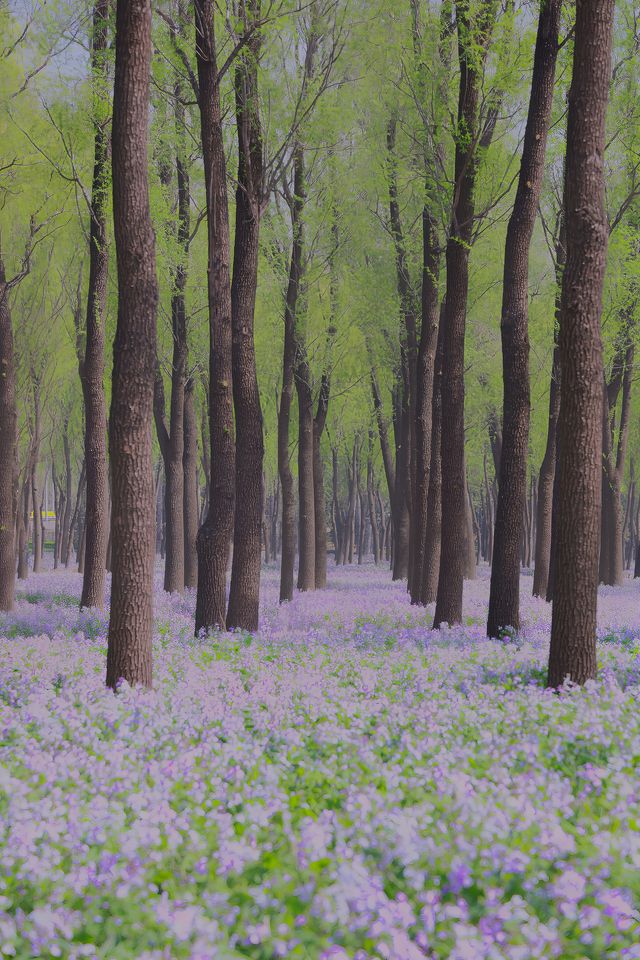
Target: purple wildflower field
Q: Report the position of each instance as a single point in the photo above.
(346, 785)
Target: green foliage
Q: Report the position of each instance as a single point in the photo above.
(373, 62)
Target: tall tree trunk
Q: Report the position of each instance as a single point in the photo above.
(470, 537)
(385, 446)
(206, 455)
(8, 437)
(371, 500)
(361, 523)
(244, 595)
(171, 440)
(402, 519)
(406, 461)
(338, 518)
(306, 498)
(190, 471)
(611, 567)
(275, 514)
(35, 536)
(23, 526)
(473, 40)
(91, 359)
(171, 435)
(319, 512)
(545, 486)
(431, 563)
(134, 357)
(58, 507)
(33, 479)
(422, 536)
(82, 546)
(353, 470)
(296, 268)
(424, 401)
(504, 595)
(214, 535)
(68, 502)
(573, 626)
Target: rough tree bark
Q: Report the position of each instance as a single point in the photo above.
(68, 500)
(371, 501)
(431, 562)
(385, 445)
(545, 486)
(190, 469)
(306, 500)
(171, 435)
(23, 526)
(504, 595)
(338, 518)
(424, 402)
(319, 512)
(433, 160)
(134, 357)
(296, 267)
(244, 595)
(473, 41)
(407, 384)
(33, 479)
(573, 626)
(402, 438)
(611, 565)
(8, 436)
(214, 536)
(542, 574)
(91, 358)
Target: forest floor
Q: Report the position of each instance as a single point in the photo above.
(347, 784)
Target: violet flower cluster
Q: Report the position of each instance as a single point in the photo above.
(345, 785)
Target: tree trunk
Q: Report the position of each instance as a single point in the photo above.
(41, 517)
(319, 511)
(424, 402)
(8, 437)
(296, 268)
(473, 40)
(401, 515)
(306, 497)
(190, 471)
(36, 519)
(573, 626)
(338, 518)
(504, 596)
(23, 526)
(545, 486)
(68, 546)
(375, 532)
(171, 440)
(214, 535)
(91, 359)
(470, 538)
(66, 521)
(406, 459)
(134, 357)
(353, 470)
(614, 460)
(171, 436)
(431, 564)
(59, 508)
(385, 446)
(274, 519)
(244, 595)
